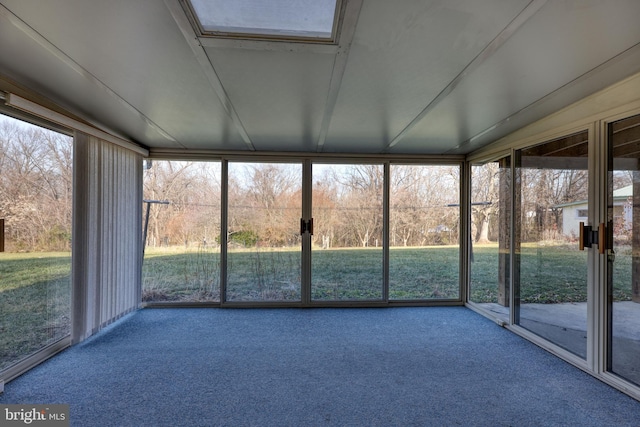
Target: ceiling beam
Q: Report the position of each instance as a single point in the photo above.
(629, 146)
(209, 154)
(625, 137)
(628, 123)
(579, 150)
(553, 148)
(540, 162)
(531, 9)
(628, 150)
(347, 29)
(179, 15)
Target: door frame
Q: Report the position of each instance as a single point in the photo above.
(603, 326)
(307, 162)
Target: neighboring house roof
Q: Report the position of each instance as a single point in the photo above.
(619, 195)
(623, 192)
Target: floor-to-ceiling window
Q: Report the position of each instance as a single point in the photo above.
(347, 258)
(490, 239)
(550, 272)
(378, 232)
(263, 232)
(424, 232)
(622, 249)
(181, 223)
(572, 255)
(35, 239)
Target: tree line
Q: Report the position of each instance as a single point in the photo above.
(265, 204)
(36, 181)
(264, 199)
(541, 193)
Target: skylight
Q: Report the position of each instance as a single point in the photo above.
(273, 19)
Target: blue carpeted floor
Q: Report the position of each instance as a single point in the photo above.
(311, 367)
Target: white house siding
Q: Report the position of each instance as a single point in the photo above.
(622, 211)
(571, 220)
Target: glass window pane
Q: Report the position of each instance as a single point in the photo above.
(182, 251)
(551, 274)
(35, 266)
(263, 235)
(298, 18)
(347, 241)
(490, 236)
(624, 258)
(424, 254)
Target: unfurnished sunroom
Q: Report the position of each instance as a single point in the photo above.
(406, 154)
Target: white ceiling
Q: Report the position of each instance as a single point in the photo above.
(406, 76)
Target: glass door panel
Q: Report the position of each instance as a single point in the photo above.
(424, 253)
(623, 216)
(491, 236)
(347, 256)
(551, 272)
(263, 234)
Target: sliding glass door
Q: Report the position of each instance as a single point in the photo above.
(263, 232)
(301, 233)
(347, 257)
(550, 272)
(623, 249)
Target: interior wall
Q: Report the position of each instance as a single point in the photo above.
(106, 233)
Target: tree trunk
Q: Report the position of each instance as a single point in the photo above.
(483, 233)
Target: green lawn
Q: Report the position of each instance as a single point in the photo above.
(35, 287)
(338, 274)
(35, 298)
(176, 274)
(548, 274)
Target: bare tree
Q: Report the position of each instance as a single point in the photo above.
(35, 186)
(484, 198)
(543, 191)
(360, 196)
(409, 195)
(265, 199)
(193, 192)
(325, 215)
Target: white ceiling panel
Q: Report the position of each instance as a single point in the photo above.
(279, 96)
(82, 97)
(622, 66)
(403, 55)
(407, 76)
(556, 46)
(141, 56)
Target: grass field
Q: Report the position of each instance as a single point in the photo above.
(35, 287)
(274, 275)
(35, 298)
(548, 274)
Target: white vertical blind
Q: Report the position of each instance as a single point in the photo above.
(107, 229)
